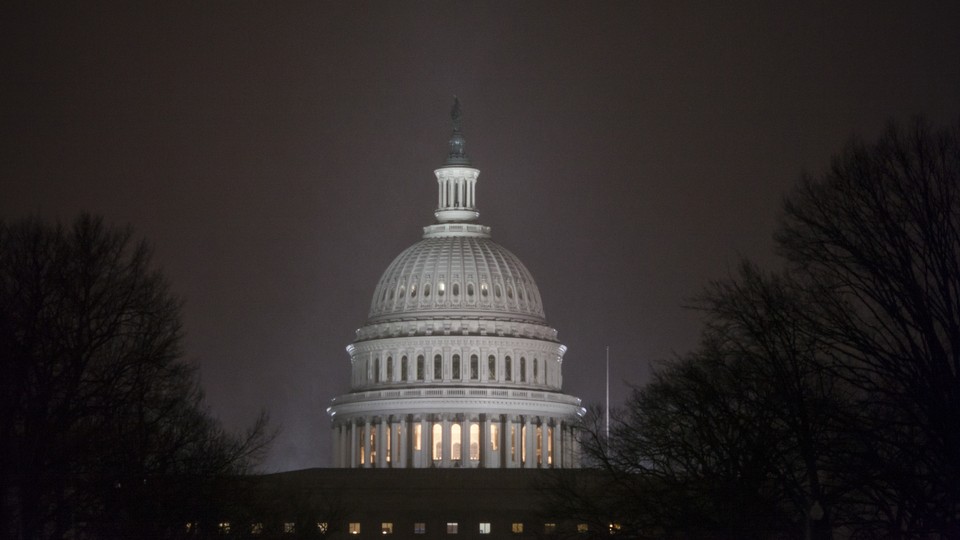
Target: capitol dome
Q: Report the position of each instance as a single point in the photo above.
(456, 365)
(454, 273)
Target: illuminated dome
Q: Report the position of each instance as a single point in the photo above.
(456, 274)
(456, 365)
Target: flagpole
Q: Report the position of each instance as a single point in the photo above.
(607, 409)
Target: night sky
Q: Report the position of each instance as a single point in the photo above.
(278, 156)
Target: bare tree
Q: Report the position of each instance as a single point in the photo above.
(877, 240)
(96, 405)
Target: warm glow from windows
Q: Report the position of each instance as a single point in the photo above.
(437, 441)
(417, 436)
(516, 528)
(614, 528)
(539, 445)
(289, 528)
(224, 527)
(353, 528)
(474, 442)
(549, 528)
(323, 527)
(583, 528)
(386, 528)
(494, 437)
(523, 444)
(256, 529)
(549, 445)
(419, 528)
(455, 439)
(484, 528)
(452, 528)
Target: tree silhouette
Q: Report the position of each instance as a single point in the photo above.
(102, 428)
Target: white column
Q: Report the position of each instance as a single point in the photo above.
(531, 442)
(382, 443)
(353, 444)
(445, 443)
(484, 441)
(557, 444)
(465, 442)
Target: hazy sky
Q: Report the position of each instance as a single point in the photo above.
(279, 155)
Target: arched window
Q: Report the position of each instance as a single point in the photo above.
(483, 290)
(413, 290)
(389, 369)
(510, 292)
(403, 369)
(497, 291)
(455, 375)
(376, 370)
(420, 367)
(437, 445)
(491, 368)
(437, 367)
(470, 290)
(474, 367)
(507, 369)
(426, 290)
(455, 442)
(536, 370)
(456, 289)
(474, 442)
(523, 369)
(441, 288)
(400, 292)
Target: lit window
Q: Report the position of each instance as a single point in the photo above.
(491, 368)
(583, 528)
(420, 528)
(614, 528)
(256, 529)
(190, 527)
(440, 288)
(417, 433)
(483, 290)
(474, 367)
(437, 367)
(437, 441)
(455, 442)
(413, 290)
(516, 528)
(549, 528)
(290, 527)
(323, 527)
(456, 367)
(452, 528)
(354, 528)
(549, 446)
(386, 528)
(474, 442)
(494, 437)
(224, 527)
(484, 528)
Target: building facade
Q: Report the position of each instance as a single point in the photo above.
(456, 365)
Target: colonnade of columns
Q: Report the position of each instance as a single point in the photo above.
(457, 192)
(455, 440)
